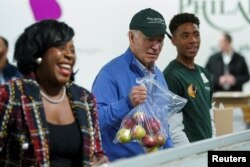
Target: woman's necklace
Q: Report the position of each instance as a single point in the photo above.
(52, 100)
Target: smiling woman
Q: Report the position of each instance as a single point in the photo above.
(44, 116)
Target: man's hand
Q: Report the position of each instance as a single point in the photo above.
(138, 95)
(228, 79)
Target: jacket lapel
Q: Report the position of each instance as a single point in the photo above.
(35, 120)
(80, 108)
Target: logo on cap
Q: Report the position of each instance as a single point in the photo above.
(156, 20)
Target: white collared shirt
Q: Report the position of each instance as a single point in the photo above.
(227, 57)
(146, 72)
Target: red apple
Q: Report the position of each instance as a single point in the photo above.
(148, 141)
(139, 117)
(138, 132)
(152, 126)
(128, 123)
(160, 139)
(123, 135)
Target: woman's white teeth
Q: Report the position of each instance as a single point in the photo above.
(65, 65)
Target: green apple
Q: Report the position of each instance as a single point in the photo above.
(138, 132)
(123, 135)
(151, 150)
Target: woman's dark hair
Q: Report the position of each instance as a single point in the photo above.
(182, 18)
(36, 40)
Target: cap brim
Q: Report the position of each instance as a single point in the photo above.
(154, 32)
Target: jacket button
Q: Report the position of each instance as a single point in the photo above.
(25, 146)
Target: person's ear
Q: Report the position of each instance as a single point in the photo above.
(173, 40)
(131, 36)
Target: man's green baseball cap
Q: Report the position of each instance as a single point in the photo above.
(150, 22)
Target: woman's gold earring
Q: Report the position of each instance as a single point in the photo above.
(39, 60)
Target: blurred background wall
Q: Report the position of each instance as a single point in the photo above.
(101, 27)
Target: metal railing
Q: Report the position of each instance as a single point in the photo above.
(194, 154)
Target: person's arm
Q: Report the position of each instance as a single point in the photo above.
(176, 129)
(175, 121)
(111, 109)
(243, 73)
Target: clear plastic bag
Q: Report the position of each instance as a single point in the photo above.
(147, 122)
(161, 97)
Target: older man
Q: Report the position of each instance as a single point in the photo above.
(115, 86)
